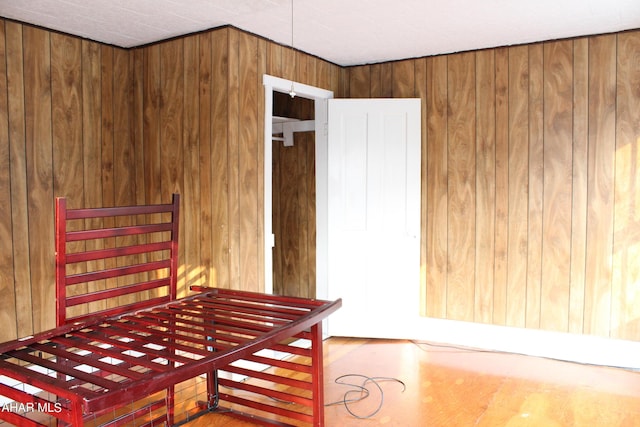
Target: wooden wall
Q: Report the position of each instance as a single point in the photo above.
(67, 127)
(530, 170)
(294, 204)
(107, 126)
(294, 220)
(530, 163)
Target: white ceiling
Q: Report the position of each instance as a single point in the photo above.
(345, 32)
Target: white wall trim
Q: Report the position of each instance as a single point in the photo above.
(283, 85)
(556, 345)
(272, 83)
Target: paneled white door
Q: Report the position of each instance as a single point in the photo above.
(374, 216)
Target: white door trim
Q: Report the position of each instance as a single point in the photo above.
(320, 96)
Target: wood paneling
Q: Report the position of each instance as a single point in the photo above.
(219, 162)
(530, 164)
(626, 250)
(535, 188)
(434, 184)
(249, 149)
(518, 158)
(601, 185)
(529, 185)
(107, 126)
(204, 142)
(461, 165)
(556, 233)
(18, 178)
(501, 255)
(294, 217)
(485, 184)
(191, 146)
(579, 183)
(8, 303)
(39, 171)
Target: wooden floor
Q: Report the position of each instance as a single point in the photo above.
(453, 387)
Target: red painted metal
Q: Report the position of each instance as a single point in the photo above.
(98, 360)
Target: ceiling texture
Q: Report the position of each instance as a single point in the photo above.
(345, 32)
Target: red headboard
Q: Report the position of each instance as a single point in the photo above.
(113, 260)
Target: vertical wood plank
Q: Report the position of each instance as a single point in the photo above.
(461, 186)
(502, 187)
(37, 89)
(485, 153)
(220, 161)
(171, 113)
(274, 55)
(8, 314)
(536, 185)
(359, 82)
(91, 136)
(558, 136)
(437, 206)
(21, 280)
(403, 79)
(66, 88)
(421, 92)
(375, 71)
(191, 142)
(233, 142)
(172, 108)
(248, 147)
(151, 140)
(386, 80)
(152, 122)
(601, 190)
(290, 193)
(66, 94)
(205, 110)
(123, 142)
(580, 181)
(289, 64)
(136, 57)
(107, 83)
(92, 146)
(306, 287)
(260, 149)
(625, 294)
(323, 75)
(278, 265)
(137, 121)
(124, 164)
(310, 209)
(107, 140)
(518, 185)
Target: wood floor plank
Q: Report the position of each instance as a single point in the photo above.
(448, 386)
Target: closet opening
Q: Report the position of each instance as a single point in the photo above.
(293, 196)
(302, 229)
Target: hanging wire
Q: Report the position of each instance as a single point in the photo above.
(292, 92)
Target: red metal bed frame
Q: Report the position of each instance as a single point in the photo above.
(123, 338)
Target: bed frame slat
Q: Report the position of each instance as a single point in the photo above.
(156, 229)
(126, 343)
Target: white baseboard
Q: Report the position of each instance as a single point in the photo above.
(556, 345)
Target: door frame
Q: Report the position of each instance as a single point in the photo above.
(320, 97)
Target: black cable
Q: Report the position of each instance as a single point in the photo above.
(364, 392)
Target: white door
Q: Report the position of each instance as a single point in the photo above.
(374, 216)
